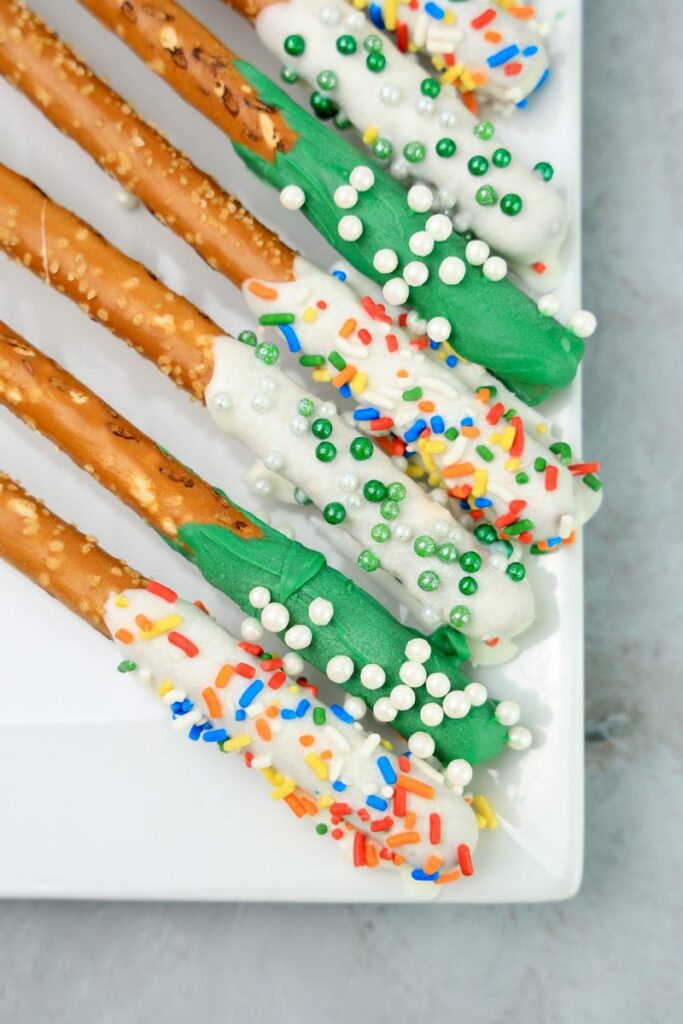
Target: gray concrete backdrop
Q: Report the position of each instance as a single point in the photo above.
(609, 955)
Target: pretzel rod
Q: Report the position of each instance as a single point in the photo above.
(234, 697)
(385, 95)
(186, 199)
(260, 569)
(487, 318)
(60, 559)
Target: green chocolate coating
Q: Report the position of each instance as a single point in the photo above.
(493, 322)
(360, 627)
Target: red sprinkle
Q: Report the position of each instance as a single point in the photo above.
(248, 758)
(517, 446)
(434, 829)
(403, 319)
(495, 412)
(465, 859)
(404, 763)
(340, 809)
(539, 267)
(392, 342)
(400, 798)
(375, 310)
(402, 40)
(382, 423)
(242, 669)
(551, 478)
(512, 69)
(383, 825)
(365, 336)
(178, 640)
(385, 854)
(482, 20)
(276, 680)
(321, 304)
(271, 664)
(515, 507)
(581, 468)
(202, 607)
(363, 814)
(254, 649)
(359, 850)
(337, 833)
(161, 591)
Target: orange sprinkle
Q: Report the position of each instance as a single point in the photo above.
(306, 740)
(425, 406)
(403, 838)
(344, 376)
(271, 711)
(263, 729)
(224, 674)
(398, 859)
(124, 636)
(213, 705)
(347, 328)
(523, 13)
(295, 805)
(143, 622)
(308, 804)
(371, 857)
(202, 607)
(469, 100)
(415, 786)
(469, 431)
(450, 876)
(433, 864)
(411, 817)
(326, 755)
(483, 395)
(261, 290)
(402, 373)
(492, 37)
(458, 469)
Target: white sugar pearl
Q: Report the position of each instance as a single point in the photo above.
(221, 402)
(395, 291)
(448, 118)
(446, 198)
(274, 461)
(431, 714)
(349, 482)
(456, 704)
(430, 616)
(298, 425)
(345, 197)
(495, 268)
(292, 197)
(372, 677)
(418, 649)
(330, 15)
(421, 243)
(548, 305)
(439, 227)
(355, 21)
(328, 409)
(320, 611)
(390, 94)
(508, 712)
(383, 710)
(412, 673)
(385, 261)
(519, 738)
(259, 597)
(415, 323)
(421, 744)
(459, 772)
(340, 668)
(439, 497)
(362, 178)
(287, 530)
(274, 617)
(400, 168)
(262, 487)
(355, 706)
(415, 273)
(293, 664)
(461, 223)
(354, 501)
(498, 563)
(402, 532)
(583, 324)
(402, 698)
(126, 200)
(268, 384)
(477, 252)
(298, 637)
(420, 198)
(441, 528)
(261, 403)
(477, 693)
(438, 684)
(251, 630)
(439, 329)
(452, 270)
(425, 106)
(350, 227)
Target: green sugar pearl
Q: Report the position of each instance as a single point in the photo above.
(522, 478)
(376, 61)
(342, 122)
(247, 338)
(539, 464)
(305, 407)
(447, 553)
(511, 204)
(484, 130)
(545, 169)
(368, 561)
(380, 532)
(326, 451)
(468, 586)
(327, 80)
(459, 616)
(470, 561)
(486, 195)
(361, 448)
(267, 353)
(430, 87)
(501, 157)
(323, 106)
(485, 533)
(445, 148)
(321, 428)
(516, 571)
(477, 165)
(301, 498)
(389, 509)
(374, 490)
(295, 45)
(396, 491)
(382, 149)
(424, 546)
(334, 513)
(321, 829)
(414, 152)
(288, 75)
(346, 45)
(372, 43)
(429, 580)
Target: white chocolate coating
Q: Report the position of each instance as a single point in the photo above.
(391, 103)
(258, 405)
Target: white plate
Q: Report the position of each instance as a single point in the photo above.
(99, 797)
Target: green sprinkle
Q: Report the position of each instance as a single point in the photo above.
(267, 353)
(516, 571)
(321, 829)
(412, 394)
(414, 152)
(389, 509)
(334, 513)
(470, 561)
(540, 464)
(545, 169)
(563, 452)
(380, 532)
(301, 498)
(327, 80)
(492, 390)
(273, 319)
(326, 451)
(305, 407)
(312, 360)
(372, 43)
(509, 414)
(374, 490)
(368, 561)
(321, 428)
(451, 434)
(447, 553)
(337, 361)
(319, 716)
(486, 195)
(592, 481)
(396, 491)
(429, 581)
(484, 130)
(424, 546)
(522, 478)
(506, 546)
(361, 448)
(382, 149)
(460, 616)
(468, 586)
(514, 529)
(126, 666)
(485, 453)
(247, 338)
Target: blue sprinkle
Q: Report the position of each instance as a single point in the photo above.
(291, 337)
(502, 56)
(339, 786)
(482, 503)
(288, 713)
(464, 503)
(553, 541)
(376, 802)
(419, 875)
(251, 692)
(345, 391)
(467, 422)
(434, 11)
(451, 361)
(529, 51)
(368, 413)
(522, 104)
(196, 731)
(434, 344)
(542, 80)
(342, 715)
(375, 12)
(414, 432)
(240, 715)
(215, 735)
(181, 707)
(437, 424)
(387, 770)
(302, 707)
(339, 274)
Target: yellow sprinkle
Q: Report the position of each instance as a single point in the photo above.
(322, 375)
(325, 801)
(481, 479)
(359, 382)
(449, 18)
(370, 135)
(467, 83)
(310, 315)
(389, 14)
(483, 808)
(293, 688)
(439, 63)
(413, 470)
(317, 764)
(271, 776)
(481, 821)
(412, 48)
(161, 626)
(434, 479)
(165, 687)
(507, 438)
(283, 790)
(452, 74)
(512, 465)
(434, 447)
(387, 744)
(121, 601)
(237, 742)
(542, 428)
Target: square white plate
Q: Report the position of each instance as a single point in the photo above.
(99, 797)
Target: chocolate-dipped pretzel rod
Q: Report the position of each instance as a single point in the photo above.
(346, 633)
(485, 316)
(496, 605)
(235, 697)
